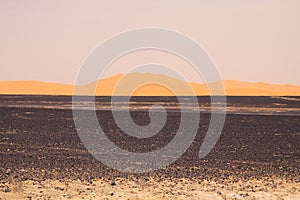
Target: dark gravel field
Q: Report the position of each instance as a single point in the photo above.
(39, 144)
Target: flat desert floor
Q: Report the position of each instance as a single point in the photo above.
(42, 157)
(272, 189)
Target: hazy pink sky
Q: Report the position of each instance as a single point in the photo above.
(255, 40)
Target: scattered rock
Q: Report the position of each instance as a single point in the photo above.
(7, 190)
(113, 183)
(59, 188)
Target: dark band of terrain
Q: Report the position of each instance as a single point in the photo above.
(39, 144)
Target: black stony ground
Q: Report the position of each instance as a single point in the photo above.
(39, 144)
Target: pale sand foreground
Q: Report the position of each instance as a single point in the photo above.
(152, 189)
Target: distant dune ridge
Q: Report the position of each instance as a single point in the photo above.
(106, 86)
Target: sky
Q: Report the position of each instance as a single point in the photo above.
(255, 41)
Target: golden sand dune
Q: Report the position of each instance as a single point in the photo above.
(157, 86)
(34, 87)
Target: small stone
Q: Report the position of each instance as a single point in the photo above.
(113, 184)
(59, 188)
(7, 190)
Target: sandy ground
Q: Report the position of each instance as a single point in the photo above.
(152, 189)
